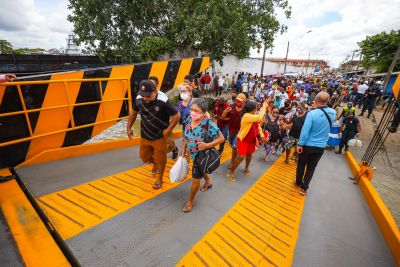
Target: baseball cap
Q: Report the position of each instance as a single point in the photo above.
(146, 88)
(241, 97)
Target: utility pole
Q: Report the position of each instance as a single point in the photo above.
(287, 52)
(308, 63)
(358, 64)
(351, 62)
(263, 60)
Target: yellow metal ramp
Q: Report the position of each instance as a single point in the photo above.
(84, 206)
(261, 229)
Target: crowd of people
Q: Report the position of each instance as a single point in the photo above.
(288, 115)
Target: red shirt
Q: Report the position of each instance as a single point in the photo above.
(218, 110)
(251, 136)
(206, 79)
(234, 120)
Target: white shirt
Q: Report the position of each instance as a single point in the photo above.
(245, 87)
(362, 88)
(220, 82)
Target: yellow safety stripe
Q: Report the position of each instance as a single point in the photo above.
(81, 207)
(35, 244)
(261, 229)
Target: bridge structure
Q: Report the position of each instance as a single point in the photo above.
(64, 202)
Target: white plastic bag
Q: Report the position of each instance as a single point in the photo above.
(355, 142)
(179, 171)
(351, 142)
(358, 143)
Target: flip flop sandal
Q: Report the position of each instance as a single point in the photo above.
(296, 185)
(231, 178)
(157, 185)
(204, 189)
(303, 192)
(187, 208)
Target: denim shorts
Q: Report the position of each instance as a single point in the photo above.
(232, 139)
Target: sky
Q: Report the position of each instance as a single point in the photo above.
(321, 29)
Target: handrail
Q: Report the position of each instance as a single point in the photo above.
(66, 82)
(62, 81)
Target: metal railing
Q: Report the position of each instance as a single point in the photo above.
(125, 83)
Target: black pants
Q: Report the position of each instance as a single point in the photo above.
(347, 135)
(306, 165)
(368, 104)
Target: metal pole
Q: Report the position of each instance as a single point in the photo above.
(287, 52)
(262, 64)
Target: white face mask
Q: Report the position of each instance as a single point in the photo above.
(184, 96)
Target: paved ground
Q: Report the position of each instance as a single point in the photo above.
(387, 162)
(337, 227)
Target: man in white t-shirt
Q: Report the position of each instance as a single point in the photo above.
(360, 94)
(245, 87)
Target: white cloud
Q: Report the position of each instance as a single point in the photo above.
(333, 42)
(26, 24)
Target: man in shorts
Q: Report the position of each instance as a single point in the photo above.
(171, 146)
(233, 116)
(158, 118)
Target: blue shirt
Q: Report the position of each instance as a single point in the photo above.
(316, 128)
(199, 134)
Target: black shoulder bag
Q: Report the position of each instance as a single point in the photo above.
(208, 160)
(327, 116)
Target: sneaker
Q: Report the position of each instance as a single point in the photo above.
(369, 115)
(361, 114)
(175, 154)
(338, 152)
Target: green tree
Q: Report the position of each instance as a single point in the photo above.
(5, 47)
(146, 28)
(151, 47)
(21, 51)
(378, 50)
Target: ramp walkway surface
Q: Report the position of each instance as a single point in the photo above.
(263, 211)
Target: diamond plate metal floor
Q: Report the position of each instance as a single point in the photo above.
(336, 227)
(259, 230)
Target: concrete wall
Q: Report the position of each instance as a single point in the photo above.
(253, 65)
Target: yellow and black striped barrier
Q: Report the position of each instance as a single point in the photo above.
(67, 109)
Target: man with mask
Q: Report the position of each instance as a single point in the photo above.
(233, 116)
(158, 118)
(350, 127)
